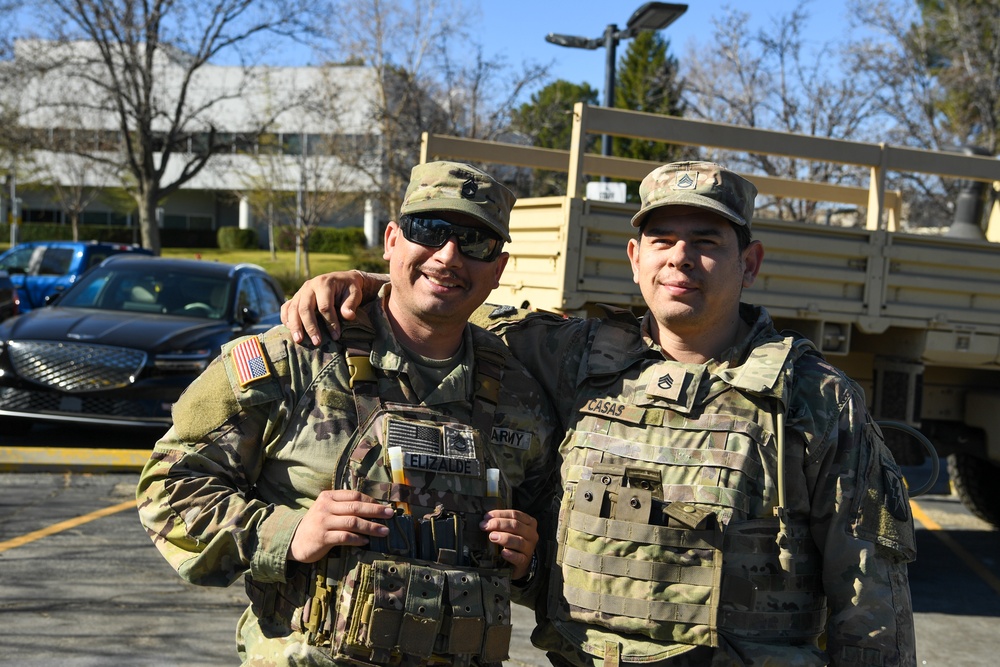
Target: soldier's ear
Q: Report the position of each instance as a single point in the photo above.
(753, 257)
(633, 258)
(392, 232)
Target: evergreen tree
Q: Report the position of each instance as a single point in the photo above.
(647, 81)
(547, 121)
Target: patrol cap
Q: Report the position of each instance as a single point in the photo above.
(703, 185)
(454, 186)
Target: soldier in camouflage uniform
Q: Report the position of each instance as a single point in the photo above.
(726, 498)
(377, 492)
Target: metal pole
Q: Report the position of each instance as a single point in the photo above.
(610, 42)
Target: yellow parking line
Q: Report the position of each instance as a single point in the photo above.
(971, 561)
(64, 525)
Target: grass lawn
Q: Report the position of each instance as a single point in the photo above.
(282, 268)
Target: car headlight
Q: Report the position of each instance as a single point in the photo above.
(193, 361)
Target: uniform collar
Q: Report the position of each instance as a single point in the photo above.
(390, 356)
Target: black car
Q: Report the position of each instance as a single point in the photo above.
(120, 345)
(9, 300)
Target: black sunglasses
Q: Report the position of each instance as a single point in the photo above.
(474, 242)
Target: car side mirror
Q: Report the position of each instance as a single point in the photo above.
(250, 317)
(52, 298)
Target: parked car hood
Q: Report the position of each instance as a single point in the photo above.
(106, 327)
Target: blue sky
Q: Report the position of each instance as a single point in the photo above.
(517, 28)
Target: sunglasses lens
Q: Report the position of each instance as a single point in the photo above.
(476, 243)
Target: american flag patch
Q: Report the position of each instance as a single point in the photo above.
(248, 357)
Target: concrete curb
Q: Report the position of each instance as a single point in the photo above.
(34, 459)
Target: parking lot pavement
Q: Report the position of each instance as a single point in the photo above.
(98, 594)
(79, 588)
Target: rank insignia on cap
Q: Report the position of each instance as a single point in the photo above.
(248, 358)
(685, 180)
(469, 189)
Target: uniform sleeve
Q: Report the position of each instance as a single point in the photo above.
(195, 494)
(861, 521)
(552, 349)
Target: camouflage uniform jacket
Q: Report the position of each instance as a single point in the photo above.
(226, 486)
(848, 513)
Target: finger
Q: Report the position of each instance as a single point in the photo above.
(306, 311)
(290, 319)
(510, 521)
(355, 525)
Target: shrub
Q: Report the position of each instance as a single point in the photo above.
(343, 240)
(234, 238)
(369, 259)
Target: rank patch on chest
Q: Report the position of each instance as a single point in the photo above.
(511, 438)
(248, 359)
(667, 384)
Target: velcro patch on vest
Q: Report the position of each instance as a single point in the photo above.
(620, 411)
(508, 437)
(452, 465)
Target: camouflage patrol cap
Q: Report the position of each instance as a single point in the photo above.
(704, 185)
(453, 186)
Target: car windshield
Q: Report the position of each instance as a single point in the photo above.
(150, 289)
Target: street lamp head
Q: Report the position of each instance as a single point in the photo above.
(655, 16)
(573, 41)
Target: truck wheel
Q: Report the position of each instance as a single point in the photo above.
(975, 482)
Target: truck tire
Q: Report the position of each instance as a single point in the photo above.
(976, 482)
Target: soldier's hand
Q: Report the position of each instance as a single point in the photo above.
(335, 296)
(337, 518)
(517, 535)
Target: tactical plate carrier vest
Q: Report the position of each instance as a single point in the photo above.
(667, 537)
(433, 591)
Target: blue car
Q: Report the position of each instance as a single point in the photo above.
(40, 270)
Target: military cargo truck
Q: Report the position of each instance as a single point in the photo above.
(914, 318)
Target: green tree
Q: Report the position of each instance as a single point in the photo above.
(647, 81)
(547, 122)
(962, 51)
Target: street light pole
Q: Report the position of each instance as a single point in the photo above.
(651, 16)
(610, 47)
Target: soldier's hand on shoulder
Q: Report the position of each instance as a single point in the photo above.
(337, 518)
(516, 533)
(326, 300)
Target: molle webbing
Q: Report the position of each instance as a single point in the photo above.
(643, 533)
(760, 600)
(402, 493)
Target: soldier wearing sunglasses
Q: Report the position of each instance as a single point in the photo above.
(377, 492)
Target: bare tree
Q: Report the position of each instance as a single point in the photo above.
(141, 70)
(420, 83)
(935, 71)
(768, 79)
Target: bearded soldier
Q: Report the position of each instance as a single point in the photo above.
(726, 497)
(377, 492)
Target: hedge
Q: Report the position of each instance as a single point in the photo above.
(234, 238)
(339, 240)
(169, 238)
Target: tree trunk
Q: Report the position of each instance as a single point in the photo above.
(148, 228)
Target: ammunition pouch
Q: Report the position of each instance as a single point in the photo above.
(392, 609)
